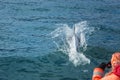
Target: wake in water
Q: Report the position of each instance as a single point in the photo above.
(72, 41)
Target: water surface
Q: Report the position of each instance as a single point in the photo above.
(27, 51)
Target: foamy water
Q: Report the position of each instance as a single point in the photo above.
(72, 41)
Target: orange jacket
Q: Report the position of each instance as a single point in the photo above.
(98, 75)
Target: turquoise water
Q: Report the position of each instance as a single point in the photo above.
(27, 48)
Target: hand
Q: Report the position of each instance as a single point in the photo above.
(108, 65)
(102, 65)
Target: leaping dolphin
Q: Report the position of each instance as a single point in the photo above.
(77, 38)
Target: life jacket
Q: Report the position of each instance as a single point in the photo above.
(98, 74)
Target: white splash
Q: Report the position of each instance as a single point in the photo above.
(72, 41)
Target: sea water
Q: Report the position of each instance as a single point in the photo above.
(56, 39)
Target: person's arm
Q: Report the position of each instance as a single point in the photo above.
(98, 72)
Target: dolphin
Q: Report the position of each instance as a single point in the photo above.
(77, 38)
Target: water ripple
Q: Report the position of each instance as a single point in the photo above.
(68, 79)
(21, 3)
(40, 9)
(34, 18)
(2, 6)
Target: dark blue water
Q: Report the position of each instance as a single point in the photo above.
(27, 52)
